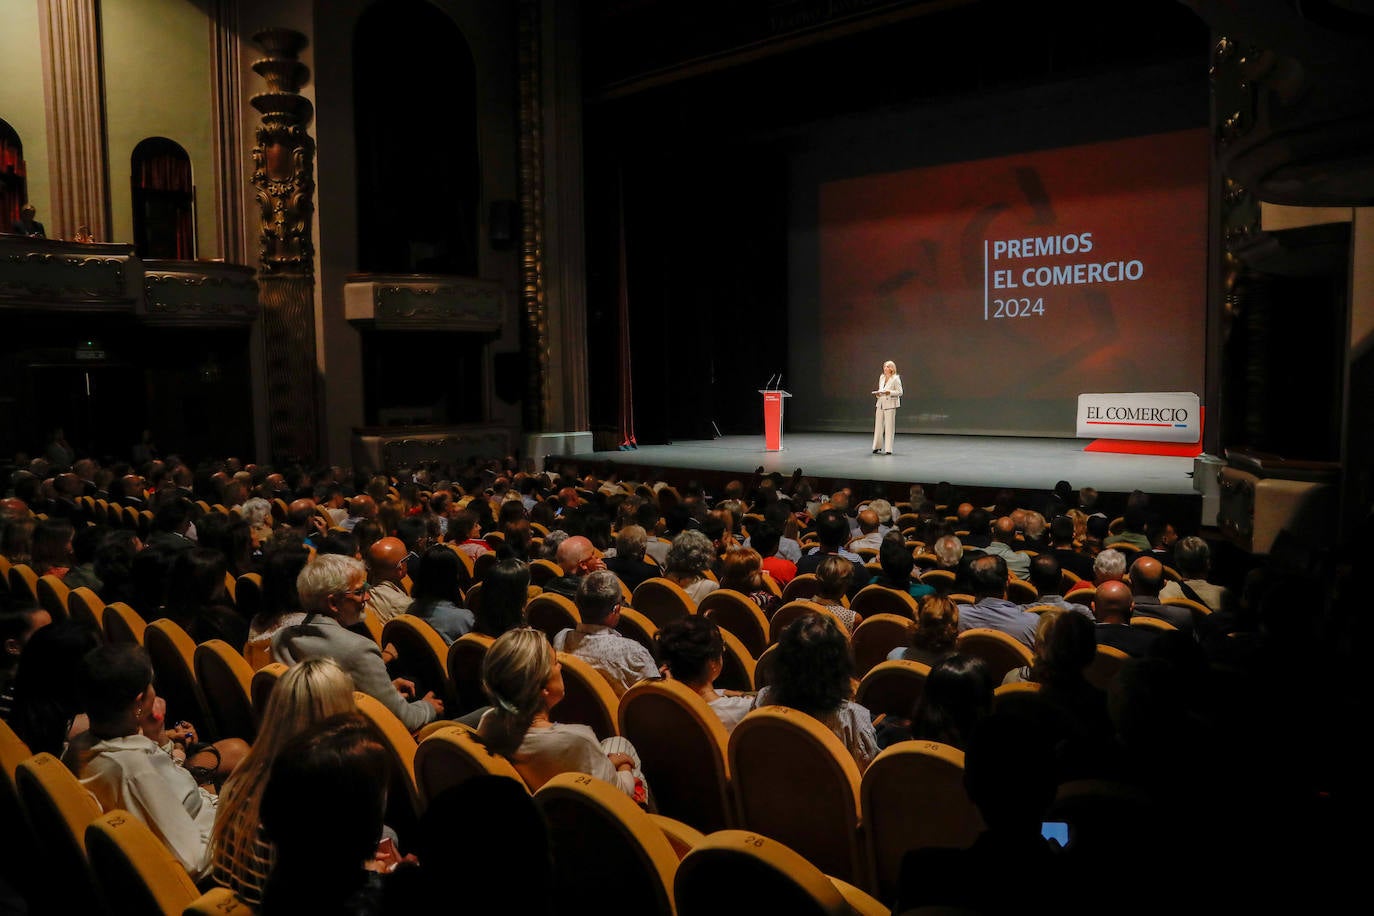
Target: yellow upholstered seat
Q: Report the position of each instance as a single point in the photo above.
(588, 698)
(451, 756)
(226, 681)
(551, 612)
(465, 672)
(662, 601)
(421, 655)
(1003, 653)
(879, 599)
(60, 808)
(876, 637)
(796, 783)
(173, 655)
(736, 612)
(135, 868)
(892, 687)
(123, 624)
(682, 743)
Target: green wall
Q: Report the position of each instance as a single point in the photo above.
(158, 84)
(21, 95)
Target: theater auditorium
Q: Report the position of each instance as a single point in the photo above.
(436, 469)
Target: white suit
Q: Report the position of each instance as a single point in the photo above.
(885, 417)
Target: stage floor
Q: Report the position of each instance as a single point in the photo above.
(980, 461)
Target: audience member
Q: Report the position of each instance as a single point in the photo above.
(505, 591)
(992, 609)
(240, 855)
(834, 580)
(629, 563)
(331, 591)
(1048, 580)
(1147, 579)
(1193, 558)
(1112, 610)
(741, 570)
(813, 675)
(693, 653)
(937, 631)
(437, 597)
(689, 557)
(577, 557)
(523, 678)
(897, 563)
(621, 660)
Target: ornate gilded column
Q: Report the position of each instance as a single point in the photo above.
(283, 172)
(70, 32)
(533, 307)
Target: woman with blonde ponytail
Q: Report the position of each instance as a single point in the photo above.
(241, 858)
(523, 679)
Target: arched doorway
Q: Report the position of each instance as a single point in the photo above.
(13, 181)
(164, 200)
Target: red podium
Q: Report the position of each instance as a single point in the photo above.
(772, 418)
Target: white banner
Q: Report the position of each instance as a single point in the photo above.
(1169, 416)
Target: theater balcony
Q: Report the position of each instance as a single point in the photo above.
(428, 368)
(50, 276)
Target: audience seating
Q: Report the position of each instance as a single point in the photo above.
(1021, 591)
(248, 595)
(912, 797)
(23, 584)
(609, 856)
(87, 609)
(226, 682)
(736, 612)
(763, 668)
(18, 852)
(1008, 697)
(634, 625)
(264, 679)
(173, 655)
(5, 568)
(801, 587)
(59, 808)
(796, 783)
(1108, 661)
(1199, 609)
(373, 624)
(737, 664)
(588, 698)
(879, 599)
(123, 624)
(465, 672)
(876, 636)
(421, 655)
(551, 612)
(541, 571)
(892, 687)
(451, 756)
(794, 610)
(681, 837)
(136, 871)
(1041, 608)
(663, 601)
(1003, 653)
(961, 598)
(1152, 623)
(739, 873)
(682, 744)
(403, 803)
(52, 594)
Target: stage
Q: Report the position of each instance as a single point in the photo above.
(965, 461)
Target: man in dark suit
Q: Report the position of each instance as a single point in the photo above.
(27, 225)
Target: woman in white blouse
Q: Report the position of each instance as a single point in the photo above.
(523, 678)
(889, 395)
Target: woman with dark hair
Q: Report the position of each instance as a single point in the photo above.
(16, 540)
(198, 599)
(437, 598)
(113, 565)
(281, 606)
(833, 578)
(322, 811)
(232, 536)
(48, 711)
(693, 652)
(956, 697)
(937, 629)
(505, 591)
(52, 547)
(368, 532)
(1064, 648)
(742, 571)
(813, 674)
(897, 563)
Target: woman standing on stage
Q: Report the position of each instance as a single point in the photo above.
(889, 395)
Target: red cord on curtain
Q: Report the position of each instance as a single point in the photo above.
(627, 400)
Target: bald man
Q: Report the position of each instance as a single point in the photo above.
(1147, 578)
(869, 536)
(359, 507)
(1003, 545)
(386, 567)
(577, 557)
(1112, 608)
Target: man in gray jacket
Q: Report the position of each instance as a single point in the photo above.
(333, 591)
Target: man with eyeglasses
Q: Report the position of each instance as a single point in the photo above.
(333, 591)
(386, 567)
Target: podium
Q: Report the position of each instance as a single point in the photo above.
(772, 418)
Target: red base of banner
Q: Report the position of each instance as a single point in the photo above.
(1137, 447)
